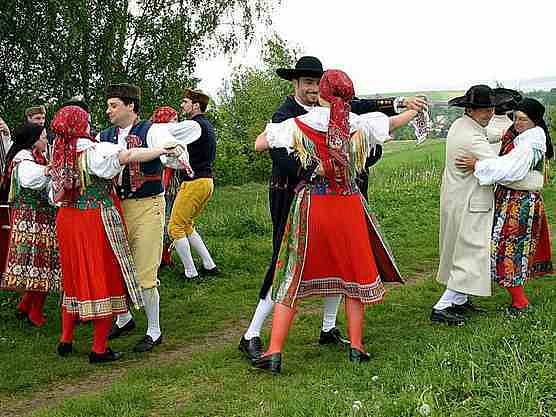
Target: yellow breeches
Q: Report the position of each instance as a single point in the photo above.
(190, 202)
(144, 218)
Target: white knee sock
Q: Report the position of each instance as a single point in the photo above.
(264, 308)
(184, 252)
(330, 312)
(152, 309)
(449, 298)
(197, 243)
(123, 319)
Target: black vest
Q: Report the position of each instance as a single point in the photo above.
(152, 168)
(202, 152)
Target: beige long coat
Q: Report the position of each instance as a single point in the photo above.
(466, 213)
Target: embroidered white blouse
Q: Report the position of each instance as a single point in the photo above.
(375, 126)
(29, 173)
(530, 147)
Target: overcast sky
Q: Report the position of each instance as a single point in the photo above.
(407, 45)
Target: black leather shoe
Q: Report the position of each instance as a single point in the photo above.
(448, 316)
(64, 349)
(108, 356)
(252, 348)
(209, 272)
(517, 312)
(357, 356)
(467, 307)
(272, 363)
(119, 331)
(147, 344)
(332, 337)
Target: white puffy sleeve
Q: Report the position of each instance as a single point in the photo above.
(281, 135)
(162, 135)
(375, 126)
(103, 159)
(31, 175)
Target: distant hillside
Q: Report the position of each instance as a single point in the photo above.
(432, 95)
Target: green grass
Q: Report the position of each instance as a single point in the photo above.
(491, 367)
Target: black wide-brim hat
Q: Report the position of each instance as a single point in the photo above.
(481, 96)
(510, 104)
(307, 66)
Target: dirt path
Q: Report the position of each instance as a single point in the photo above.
(56, 392)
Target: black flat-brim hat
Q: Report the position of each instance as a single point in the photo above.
(307, 66)
(481, 96)
(510, 104)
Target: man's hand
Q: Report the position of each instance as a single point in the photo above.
(417, 103)
(466, 163)
(4, 129)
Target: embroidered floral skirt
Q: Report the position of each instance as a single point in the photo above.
(93, 282)
(32, 261)
(326, 250)
(519, 227)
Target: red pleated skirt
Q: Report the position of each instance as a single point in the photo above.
(339, 257)
(92, 280)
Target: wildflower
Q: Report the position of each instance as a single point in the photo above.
(357, 405)
(374, 378)
(425, 409)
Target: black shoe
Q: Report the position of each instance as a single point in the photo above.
(332, 337)
(448, 316)
(108, 356)
(272, 362)
(209, 272)
(467, 307)
(357, 356)
(252, 348)
(517, 312)
(147, 344)
(64, 349)
(119, 331)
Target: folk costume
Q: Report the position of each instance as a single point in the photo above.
(287, 173)
(5, 144)
(170, 181)
(323, 254)
(194, 194)
(89, 222)
(32, 263)
(520, 225)
(140, 189)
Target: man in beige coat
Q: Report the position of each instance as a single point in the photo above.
(466, 209)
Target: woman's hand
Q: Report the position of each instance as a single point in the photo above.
(466, 163)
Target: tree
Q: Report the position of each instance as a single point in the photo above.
(51, 50)
(247, 103)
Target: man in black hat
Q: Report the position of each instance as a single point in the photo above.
(466, 209)
(142, 194)
(286, 175)
(500, 122)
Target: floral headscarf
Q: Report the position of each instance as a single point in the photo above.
(69, 124)
(337, 89)
(163, 114)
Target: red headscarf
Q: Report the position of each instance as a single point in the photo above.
(163, 114)
(69, 124)
(337, 89)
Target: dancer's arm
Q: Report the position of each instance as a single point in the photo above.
(402, 119)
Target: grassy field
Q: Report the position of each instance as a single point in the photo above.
(493, 366)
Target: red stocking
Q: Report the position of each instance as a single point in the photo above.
(519, 299)
(36, 312)
(25, 304)
(355, 314)
(281, 323)
(100, 334)
(68, 326)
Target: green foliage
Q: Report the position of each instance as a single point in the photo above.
(51, 50)
(247, 103)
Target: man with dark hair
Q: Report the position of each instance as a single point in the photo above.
(196, 191)
(142, 194)
(287, 174)
(36, 115)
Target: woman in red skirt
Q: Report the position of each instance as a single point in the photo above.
(99, 273)
(332, 244)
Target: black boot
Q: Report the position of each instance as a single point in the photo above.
(64, 349)
(332, 337)
(272, 362)
(252, 348)
(448, 316)
(108, 356)
(119, 331)
(357, 356)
